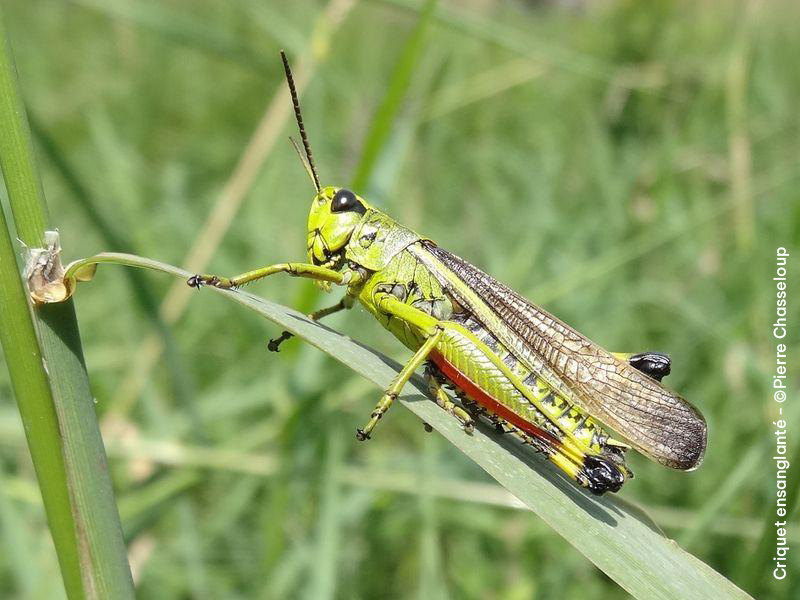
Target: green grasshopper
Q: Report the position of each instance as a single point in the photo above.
(510, 362)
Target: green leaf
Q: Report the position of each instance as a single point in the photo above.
(617, 536)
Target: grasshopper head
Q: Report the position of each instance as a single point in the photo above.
(335, 212)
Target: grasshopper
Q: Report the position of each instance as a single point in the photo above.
(510, 363)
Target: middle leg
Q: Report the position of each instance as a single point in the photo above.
(343, 304)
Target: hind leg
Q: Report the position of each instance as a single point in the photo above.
(444, 401)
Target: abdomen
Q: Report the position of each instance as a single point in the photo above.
(491, 382)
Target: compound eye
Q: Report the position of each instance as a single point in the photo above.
(344, 200)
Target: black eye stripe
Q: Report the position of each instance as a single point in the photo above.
(345, 201)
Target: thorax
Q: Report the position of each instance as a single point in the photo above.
(411, 282)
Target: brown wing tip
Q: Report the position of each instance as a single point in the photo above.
(689, 455)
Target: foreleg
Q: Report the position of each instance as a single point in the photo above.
(316, 272)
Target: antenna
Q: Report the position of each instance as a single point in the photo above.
(299, 118)
(303, 161)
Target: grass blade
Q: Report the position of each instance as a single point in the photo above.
(617, 536)
(29, 381)
(50, 382)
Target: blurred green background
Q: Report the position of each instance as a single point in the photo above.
(631, 166)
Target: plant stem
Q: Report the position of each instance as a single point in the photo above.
(50, 381)
(32, 391)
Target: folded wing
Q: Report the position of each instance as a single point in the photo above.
(654, 420)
